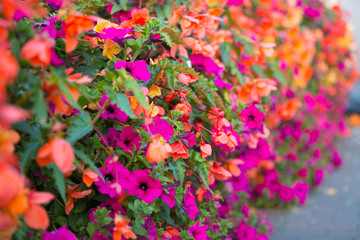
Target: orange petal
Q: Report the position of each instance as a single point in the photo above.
(40, 197)
(36, 217)
(63, 154)
(69, 205)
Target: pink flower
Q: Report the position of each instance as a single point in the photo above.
(318, 176)
(112, 111)
(246, 232)
(111, 138)
(169, 197)
(137, 69)
(198, 232)
(129, 140)
(115, 178)
(61, 234)
(253, 118)
(144, 186)
(190, 205)
(301, 189)
(162, 127)
(285, 193)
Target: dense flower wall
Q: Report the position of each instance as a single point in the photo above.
(171, 120)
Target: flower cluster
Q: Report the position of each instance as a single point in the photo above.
(156, 120)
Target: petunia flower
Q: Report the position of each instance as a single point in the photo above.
(245, 232)
(115, 178)
(286, 193)
(60, 234)
(206, 64)
(169, 197)
(56, 4)
(190, 206)
(112, 110)
(162, 127)
(137, 69)
(253, 118)
(301, 189)
(144, 186)
(128, 139)
(150, 228)
(198, 232)
(111, 138)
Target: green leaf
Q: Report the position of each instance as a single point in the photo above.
(121, 101)
(202, 167)
(225, 52)
(236, 72)
(276, 72)
(40, 107)
(171, 80)
(179, 169)
(131, 85)
(258, 70)
(80, 125)
(91, 228)
(29, 153)
(186, 70)
(59, 180)
(80, 153)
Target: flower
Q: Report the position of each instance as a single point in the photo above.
(206, 64)
(253, 117)
(58, 151)
(150, 228)
(285, 193)
(169, 197)
(112, 110)
(137, 69)
(111, 138)
(76, 24)
(198, 232)
(158, 151)
(190, 206)
(74, 192)
(115, 178)
(38, 52)
(178, 150)
(144, 186)
(129, 140)
(122, 228)
(301, 189)
(205, 149)
(246, 232)
(186, 78)
(162, 127)
(60, 234)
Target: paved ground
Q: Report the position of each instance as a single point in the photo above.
(332, 211)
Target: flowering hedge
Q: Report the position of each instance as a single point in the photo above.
(166, 119)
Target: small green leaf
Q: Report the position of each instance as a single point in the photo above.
(123, 103)
(40, 107)
(80, 154)
(59, 180)
(135, 88)
(179, 169)
(80, 125)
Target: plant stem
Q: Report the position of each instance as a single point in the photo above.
(100, 111)
(104, 140)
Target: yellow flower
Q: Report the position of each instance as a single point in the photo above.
(111, 48)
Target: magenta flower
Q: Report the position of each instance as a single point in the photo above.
(144, 186)
(115, 178)
(188, 139)
(61, 234)
(198, 232)
(253, 117)
(162, 127)
(137, 69)
(190, 205)
(318, 176)
(169, 198)
(56, 4)
(262, 237)
(246, 232)
(234, 2)
(128, 139)
(337, 160)
(114, 33)
(150, 228)
(112, 111)
(301, 189)
(111, 138)
(285, 193)
(206, 64)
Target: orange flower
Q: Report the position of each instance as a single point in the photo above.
(288, 110)
(218, 172)
(233, 166)
(89, 176)
(74, 192)
(176, 14)
(111, 48)
(38, 52)
(9, 68)
(205, 149)
(76, 24)
(138, 17)
(36, 216)
(200, 192)
(184, 107)
(11, 184)
(186, 78)
(171, 232)
(179, 151)
(58, 151)
(122, 228)
(158, 151)
(77, 77)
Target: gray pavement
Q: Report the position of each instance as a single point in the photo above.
(332, 211)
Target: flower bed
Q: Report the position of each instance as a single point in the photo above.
(166, 119)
